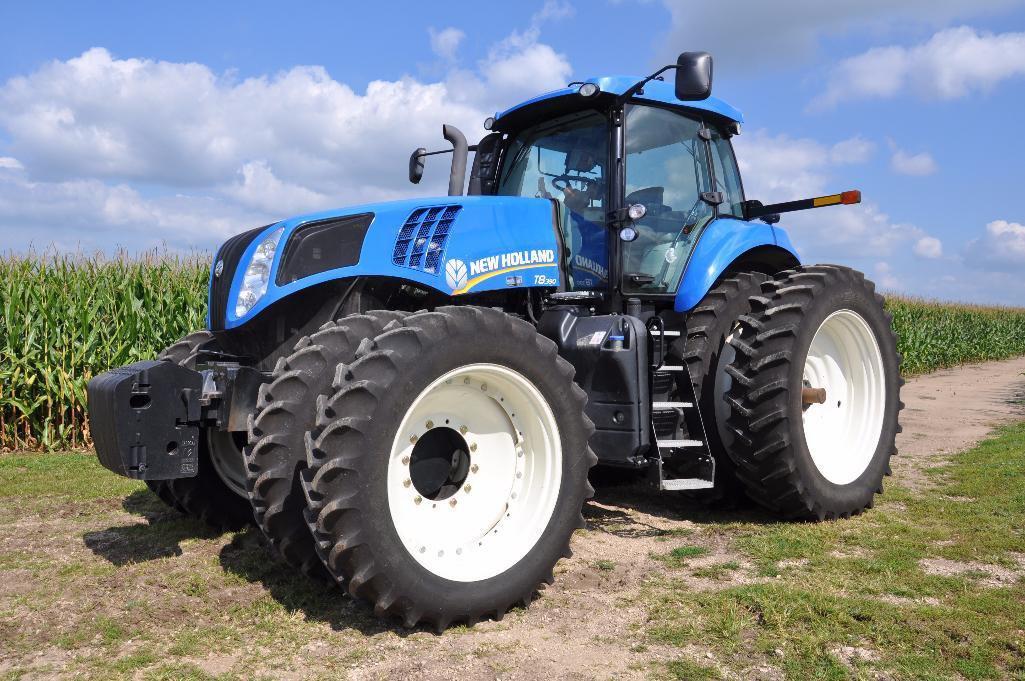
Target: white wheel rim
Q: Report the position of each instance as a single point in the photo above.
(228, 460)
(843, 433)
(503, 506)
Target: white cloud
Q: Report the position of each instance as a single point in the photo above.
(553, 10)
(218, 154)
(854, 150)
(885, 277)
(748, 35)
(929, 247)
(1001, 247)
(782, 168)
(260, 188)
(90, 214)
(954, 63)
(912, 164)
(445, 43)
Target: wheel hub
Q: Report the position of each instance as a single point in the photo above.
(439, 464)
(843, 397)
(474, 472)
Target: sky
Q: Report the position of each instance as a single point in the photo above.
(147, 125)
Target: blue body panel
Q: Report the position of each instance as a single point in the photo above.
(720, 244)
(655, 91)
(495, 242)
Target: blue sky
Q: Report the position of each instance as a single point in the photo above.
(134, 125)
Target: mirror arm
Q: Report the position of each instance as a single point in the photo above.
(637, 87)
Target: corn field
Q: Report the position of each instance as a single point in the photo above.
(65, 319)
(934, 335)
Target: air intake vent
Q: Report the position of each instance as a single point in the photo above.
(421, 242)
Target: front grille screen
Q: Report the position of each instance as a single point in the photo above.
(421, 241)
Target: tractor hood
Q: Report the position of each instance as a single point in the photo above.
(455, 245)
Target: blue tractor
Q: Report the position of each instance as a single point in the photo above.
(408, 397)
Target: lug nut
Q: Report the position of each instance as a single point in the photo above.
(452, 503)
(417, 500)
(405, 461)
(474, 468)
(467, 488)
(473, 446)
(462, 430)
(412, 439)
(430, 424)
(407, 483)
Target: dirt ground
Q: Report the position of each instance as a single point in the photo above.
(591, 623)
(586, 625)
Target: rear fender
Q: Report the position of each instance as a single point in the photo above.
(724, 243)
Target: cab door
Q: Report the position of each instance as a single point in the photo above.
(668, 170)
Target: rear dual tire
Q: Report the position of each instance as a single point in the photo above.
(816, 327)
(448, 470)
(706, 352)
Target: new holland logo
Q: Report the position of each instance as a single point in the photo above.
(455, 273)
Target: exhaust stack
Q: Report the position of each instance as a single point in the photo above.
(460, 151)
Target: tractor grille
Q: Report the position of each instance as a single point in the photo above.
(421, 242)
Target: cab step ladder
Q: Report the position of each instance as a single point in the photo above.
(679, 462)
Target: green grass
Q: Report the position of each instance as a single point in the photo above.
(678, 557)
(861, 583)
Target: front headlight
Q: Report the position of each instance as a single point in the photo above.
(254, 283)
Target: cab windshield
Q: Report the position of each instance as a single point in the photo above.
(566, 159)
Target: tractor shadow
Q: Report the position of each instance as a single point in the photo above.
(160, 537)
(246, 555)
(623, 499)
(624, 505)
(249, 556)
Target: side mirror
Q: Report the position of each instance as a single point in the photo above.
(416, 165)
(693, 76)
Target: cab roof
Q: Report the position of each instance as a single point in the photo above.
(654, 91)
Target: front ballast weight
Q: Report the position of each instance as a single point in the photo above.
(146, 418)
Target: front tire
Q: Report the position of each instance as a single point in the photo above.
(286, 409)
(821, 327)
(448, 471)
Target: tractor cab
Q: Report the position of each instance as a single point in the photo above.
(636, 168)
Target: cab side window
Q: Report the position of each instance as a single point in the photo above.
(727, 176)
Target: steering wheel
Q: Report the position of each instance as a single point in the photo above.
(562, 183)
